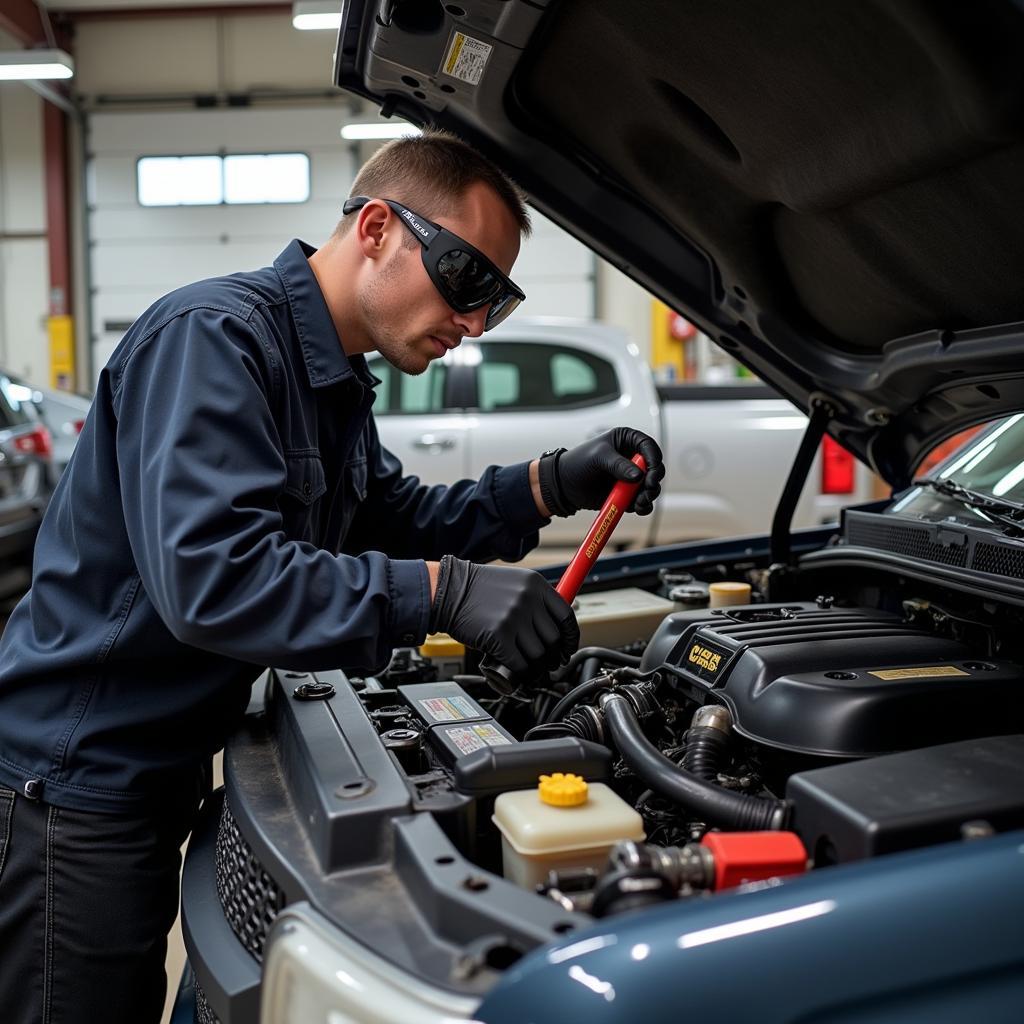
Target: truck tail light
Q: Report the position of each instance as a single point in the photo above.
(37, 441)
(837, 468)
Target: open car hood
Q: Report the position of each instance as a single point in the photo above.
(834, 192)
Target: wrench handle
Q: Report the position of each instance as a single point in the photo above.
(607, 519)
(612, 510)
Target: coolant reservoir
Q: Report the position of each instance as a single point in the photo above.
(563, 824)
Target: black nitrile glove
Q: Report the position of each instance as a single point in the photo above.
(582, 476)
(512, 614)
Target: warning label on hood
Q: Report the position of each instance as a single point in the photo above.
(466, 58)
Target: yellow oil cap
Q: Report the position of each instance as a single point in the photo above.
(441, 645)
(562, 790)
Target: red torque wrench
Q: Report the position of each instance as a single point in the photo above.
(607, 519)
(612, 510)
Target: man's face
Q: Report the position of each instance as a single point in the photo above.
(404, 315)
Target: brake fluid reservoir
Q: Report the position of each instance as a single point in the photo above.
(563, 824)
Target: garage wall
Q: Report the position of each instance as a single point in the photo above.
(155, 56)
(137, 79)
(24, 272)
(138, 253)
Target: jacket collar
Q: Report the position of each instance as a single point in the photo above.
(326, 361)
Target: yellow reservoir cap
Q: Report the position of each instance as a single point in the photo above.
(562, 790)
(441, 645)
(722, 595)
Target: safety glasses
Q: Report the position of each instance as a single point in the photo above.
(465, 277)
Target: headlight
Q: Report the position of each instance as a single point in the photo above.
(315, 974)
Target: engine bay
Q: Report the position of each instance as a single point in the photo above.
(726, 746)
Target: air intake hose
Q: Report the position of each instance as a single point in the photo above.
(705, 800)
(706, 740)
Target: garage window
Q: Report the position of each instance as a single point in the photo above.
(230, 179)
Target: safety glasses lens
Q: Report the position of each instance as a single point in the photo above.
(501, 309)
(469, 281)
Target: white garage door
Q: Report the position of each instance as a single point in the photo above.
(137, 253)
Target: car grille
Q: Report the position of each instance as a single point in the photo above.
(204, 1015)
(249, 897)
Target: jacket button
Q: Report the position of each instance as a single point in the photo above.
(33, 789)
(307, 488)
(408, 638)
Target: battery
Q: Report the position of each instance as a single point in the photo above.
(455, 741)
(439, 703)
(456, 725)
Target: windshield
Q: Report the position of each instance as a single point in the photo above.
(991, 462)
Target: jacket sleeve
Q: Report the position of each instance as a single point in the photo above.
(493, 517)
(202, 467)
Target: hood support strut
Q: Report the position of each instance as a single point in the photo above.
(821, 413)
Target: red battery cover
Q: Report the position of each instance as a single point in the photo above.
(751, 856)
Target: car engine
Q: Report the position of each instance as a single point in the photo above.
(752, 741)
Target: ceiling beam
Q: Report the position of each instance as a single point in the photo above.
(196, 11)
(21, 18)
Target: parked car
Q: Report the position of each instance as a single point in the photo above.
(504, 397)
(818, 795)
(63, 412)
(26, 483)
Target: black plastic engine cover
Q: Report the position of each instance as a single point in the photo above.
(837, 682)
(917, 798)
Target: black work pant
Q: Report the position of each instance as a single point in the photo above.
(86, 902)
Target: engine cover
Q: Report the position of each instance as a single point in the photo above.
(837, 682)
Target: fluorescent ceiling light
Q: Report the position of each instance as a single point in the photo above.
(316, 14)
(379, 130)
(32, 65)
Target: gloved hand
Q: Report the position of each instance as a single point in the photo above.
(581, 477)
(512, 614)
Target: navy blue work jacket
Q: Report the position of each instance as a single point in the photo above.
(228, 507)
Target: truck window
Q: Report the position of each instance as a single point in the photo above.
(399, 393)
(537, 376)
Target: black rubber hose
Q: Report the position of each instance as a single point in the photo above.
(590, 669)
(705, 749)
(706, 801)
(577, 695)
(604, 653)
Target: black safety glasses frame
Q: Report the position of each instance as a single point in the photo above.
(466, 279)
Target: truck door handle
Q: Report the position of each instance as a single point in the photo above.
(433, 443)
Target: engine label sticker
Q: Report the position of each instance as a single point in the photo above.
(704, 660)
(448, 709)
(925, 672)
(466, 58)
(476, 737)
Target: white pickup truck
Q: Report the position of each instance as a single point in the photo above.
(545, 382)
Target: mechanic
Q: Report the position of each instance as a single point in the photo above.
(229, 506)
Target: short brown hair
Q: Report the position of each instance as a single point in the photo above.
(430, 173)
